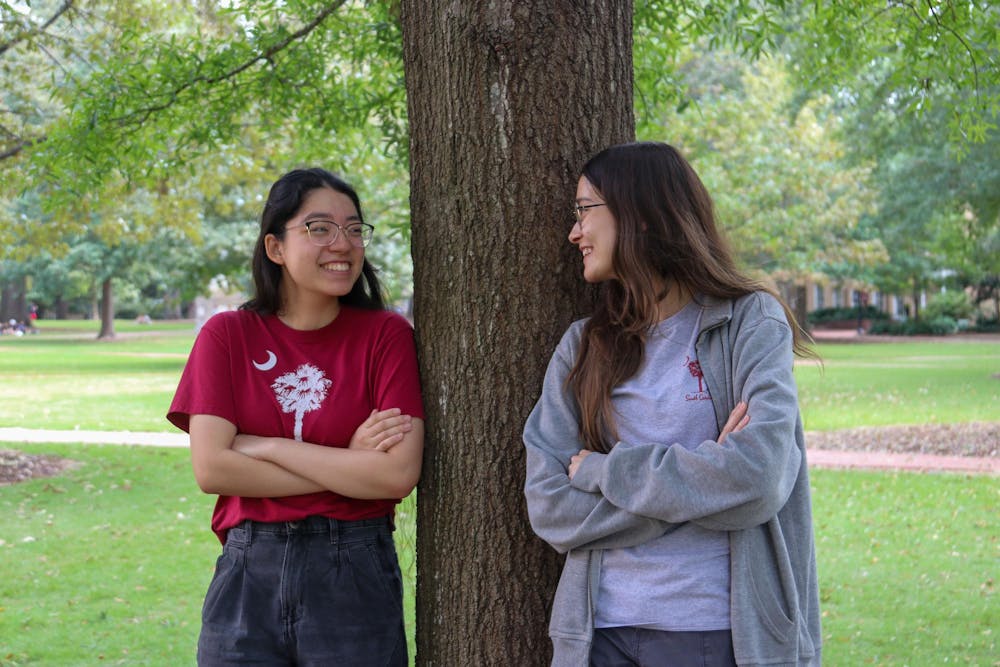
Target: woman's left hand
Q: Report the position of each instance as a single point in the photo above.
(382, 431)
(738, 418)
(575, 460)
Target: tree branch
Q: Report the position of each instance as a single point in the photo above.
(66, 6)
(19, 145)
(143, 114)
(954, 33)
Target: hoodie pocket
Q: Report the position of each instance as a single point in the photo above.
(767, 571)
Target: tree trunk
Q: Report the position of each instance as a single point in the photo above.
(801, 308)
(7, 298)
(107, 311)
(506, 101)
(62, 308)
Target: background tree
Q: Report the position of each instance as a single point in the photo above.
(904, 59)
(775, 167)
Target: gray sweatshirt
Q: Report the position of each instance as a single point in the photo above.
(755, 486)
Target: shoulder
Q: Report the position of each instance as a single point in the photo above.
(758, 306)
(751, 308)
(568, 349)
(229, 322)
(570, 341)
(736, 318)
(379, 329)
(386, 320)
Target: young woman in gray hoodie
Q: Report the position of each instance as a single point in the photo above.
(665, 456)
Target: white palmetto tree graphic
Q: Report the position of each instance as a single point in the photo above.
(301, 391)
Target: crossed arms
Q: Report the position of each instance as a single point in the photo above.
(382, 460)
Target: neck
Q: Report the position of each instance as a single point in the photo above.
(677, 297)
(310, 317)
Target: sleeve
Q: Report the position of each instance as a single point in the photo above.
(396, 376)
(206, 385)
(736, 485)
(567, 517)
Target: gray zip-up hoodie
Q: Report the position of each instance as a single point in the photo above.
(755, 486)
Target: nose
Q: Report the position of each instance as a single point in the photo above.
(341, 241)
(575, 232)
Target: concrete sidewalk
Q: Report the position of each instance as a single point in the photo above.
(818, 458)
(94, 437)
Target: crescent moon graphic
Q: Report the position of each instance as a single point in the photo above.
(267, 365)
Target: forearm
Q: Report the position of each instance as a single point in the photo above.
(724, 487)
(357, 473)
(230, 473)
(569, 518)
(220, 470)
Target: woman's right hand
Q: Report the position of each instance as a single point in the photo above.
(382, 431)
(738, 418)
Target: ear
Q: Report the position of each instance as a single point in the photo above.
(272, 247)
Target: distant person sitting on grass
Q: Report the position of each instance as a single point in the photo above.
(305, 416)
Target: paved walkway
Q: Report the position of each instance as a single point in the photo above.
(176, 439)
(817, 458)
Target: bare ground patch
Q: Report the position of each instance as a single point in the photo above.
(17, 466)
(980, 439)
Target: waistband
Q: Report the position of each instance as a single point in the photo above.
(338, 530)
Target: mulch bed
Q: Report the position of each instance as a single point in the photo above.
(17, 466)
(971, 439)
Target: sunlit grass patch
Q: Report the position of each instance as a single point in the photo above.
(900, 383)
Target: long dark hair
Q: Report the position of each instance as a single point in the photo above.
(666, 236)
(283, 202)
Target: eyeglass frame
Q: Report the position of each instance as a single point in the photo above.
(580, 209)
(365, 227)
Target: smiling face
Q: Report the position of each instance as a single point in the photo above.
(312, 273)
(595, 234)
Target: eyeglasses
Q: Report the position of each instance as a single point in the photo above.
(580, 209)
(326, 232)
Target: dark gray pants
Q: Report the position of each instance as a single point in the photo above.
(639, 647)
(313, 592)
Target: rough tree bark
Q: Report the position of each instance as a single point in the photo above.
(506, 101)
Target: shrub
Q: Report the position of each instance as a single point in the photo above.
(942, 325)
(986, 325)
(939, 326)
(887, 328)
(822, 315)
(955, 304)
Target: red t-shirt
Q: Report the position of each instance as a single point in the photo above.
(314, 386)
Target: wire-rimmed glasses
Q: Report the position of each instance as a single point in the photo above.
(580, 209)
(326, 232)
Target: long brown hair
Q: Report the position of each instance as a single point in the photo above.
(666, 235)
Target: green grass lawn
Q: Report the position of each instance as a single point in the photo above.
(64, 378)
(907, 567)
(881, 384)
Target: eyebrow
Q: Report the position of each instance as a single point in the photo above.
(328, 216)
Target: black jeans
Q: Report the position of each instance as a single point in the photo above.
(313, 592)
(639, 647)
